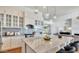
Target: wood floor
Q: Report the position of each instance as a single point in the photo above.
(19, 50)
(15, 50)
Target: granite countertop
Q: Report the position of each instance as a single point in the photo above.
(39, 45)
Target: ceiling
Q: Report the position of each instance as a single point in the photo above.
(54, 10)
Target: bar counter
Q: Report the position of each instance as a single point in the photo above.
(39, 45)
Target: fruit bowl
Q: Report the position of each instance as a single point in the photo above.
(47, 38)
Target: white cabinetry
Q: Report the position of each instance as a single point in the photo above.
(11, 42)
(6, 43)
(16, 42)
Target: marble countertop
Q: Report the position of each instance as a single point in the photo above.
(19, 36)
(39, 45)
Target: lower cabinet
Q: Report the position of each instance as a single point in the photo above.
(16, 42)
(12, 44)
(6, 44)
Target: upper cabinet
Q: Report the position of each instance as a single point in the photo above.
(15, 21)
(2, 18)
(8, 20)
(21, 21)
(11, 17)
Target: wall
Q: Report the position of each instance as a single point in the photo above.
(75, 22)
(30, 16)
(11, 10)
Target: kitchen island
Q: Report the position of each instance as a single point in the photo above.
(39, 45)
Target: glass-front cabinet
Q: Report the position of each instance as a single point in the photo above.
(11, 21)
(8, 20)
(15, 21)
(2, 18)
(21, 21)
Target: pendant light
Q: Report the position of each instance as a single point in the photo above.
(36, 10)
(54, 16)
(46, 13)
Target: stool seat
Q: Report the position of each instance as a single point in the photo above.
(70, 49)
(75, 44)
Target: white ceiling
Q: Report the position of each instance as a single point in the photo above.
(60, 10)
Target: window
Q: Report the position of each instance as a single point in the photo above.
(36, 22)
(69, 22)
(68, 25)
(15, 21)
(21, 21)
(8, 20)
(2, 19)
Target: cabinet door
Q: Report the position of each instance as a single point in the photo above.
(11, 43)
(6, 43)
(16, 42)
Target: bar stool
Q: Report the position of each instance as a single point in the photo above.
(75, 44)
(69, 49)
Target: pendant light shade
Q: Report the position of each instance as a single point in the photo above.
(36, 11)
